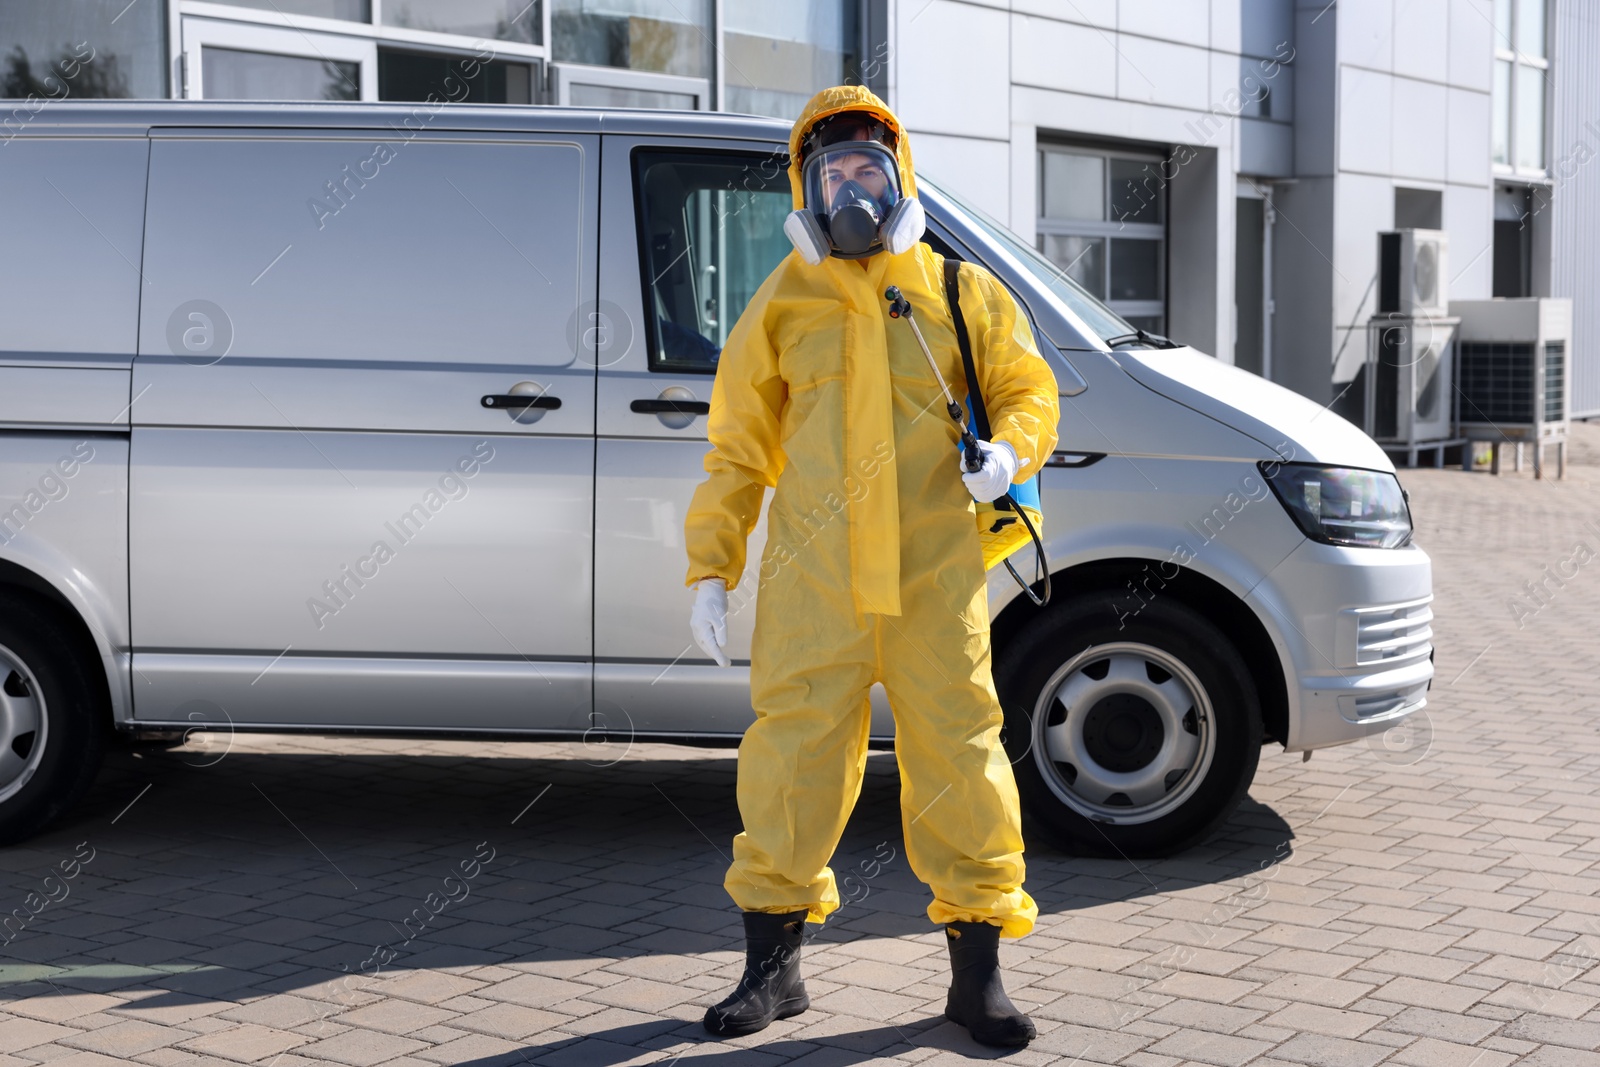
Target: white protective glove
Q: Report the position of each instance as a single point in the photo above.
(709, 619)
(993, 479)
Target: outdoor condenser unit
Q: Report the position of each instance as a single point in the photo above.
(1515, 362)
(1409, 397)
(1412, 274)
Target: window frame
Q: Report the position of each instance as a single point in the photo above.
(563, 76)
(202, 34)
(373, 28)
(247, 24)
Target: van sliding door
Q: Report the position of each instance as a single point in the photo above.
(363, 453)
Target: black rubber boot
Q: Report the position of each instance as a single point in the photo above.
(977, 999)
(771, 987)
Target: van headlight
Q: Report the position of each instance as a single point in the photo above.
(1342, 505)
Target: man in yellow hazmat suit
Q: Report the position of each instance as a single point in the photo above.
(872, 570)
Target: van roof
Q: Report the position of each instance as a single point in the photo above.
(138, 116)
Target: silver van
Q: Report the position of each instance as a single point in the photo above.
(371, 417)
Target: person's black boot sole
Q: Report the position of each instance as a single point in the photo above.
(771, 987)
(977, 998)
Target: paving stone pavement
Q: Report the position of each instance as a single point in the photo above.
(1426, 901)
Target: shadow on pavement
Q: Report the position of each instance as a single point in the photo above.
(311, 872)
(624, 1043)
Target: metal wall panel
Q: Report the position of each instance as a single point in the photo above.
(1575, 192)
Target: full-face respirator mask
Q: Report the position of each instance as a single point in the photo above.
(854, 206)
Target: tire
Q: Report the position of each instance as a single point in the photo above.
(53, 722)
(1131, 738)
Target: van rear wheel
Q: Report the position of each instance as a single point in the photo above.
(1134, 735)
(52, 724)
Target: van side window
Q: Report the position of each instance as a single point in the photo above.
(710, 231)
(69, 285)
(420, 251)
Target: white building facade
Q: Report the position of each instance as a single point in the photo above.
(1259, 146)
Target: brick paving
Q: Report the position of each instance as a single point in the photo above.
(284, 901)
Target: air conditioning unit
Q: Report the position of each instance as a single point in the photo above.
(1515, 363)
(1409, 376)
(1413, 272)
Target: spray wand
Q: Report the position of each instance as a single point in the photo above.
(972, 457)
(900, 308)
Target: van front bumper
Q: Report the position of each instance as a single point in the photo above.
(1353, 631)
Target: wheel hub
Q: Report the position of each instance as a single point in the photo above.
(1122, 732)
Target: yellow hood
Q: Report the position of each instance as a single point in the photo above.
(831, 102)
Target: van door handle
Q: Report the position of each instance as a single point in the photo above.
(520, 400)
(657, 406)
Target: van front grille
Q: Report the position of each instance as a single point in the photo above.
(1394, 633)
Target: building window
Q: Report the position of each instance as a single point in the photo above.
(777, 55)
(414, 75)
(661, 36)
(1102, 220)
(493, 20)
(235, 74)
(1521, 72)
(92, 48)
(490, 20)
(347, 10)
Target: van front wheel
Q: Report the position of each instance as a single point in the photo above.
(52, 725)
(1135, 735)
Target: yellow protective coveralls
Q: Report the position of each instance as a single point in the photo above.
(872, 570)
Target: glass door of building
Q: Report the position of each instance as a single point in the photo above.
(244, 61)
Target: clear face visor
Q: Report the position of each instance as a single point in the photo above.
(859, 172)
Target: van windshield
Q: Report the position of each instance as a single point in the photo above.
(1106, 324)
